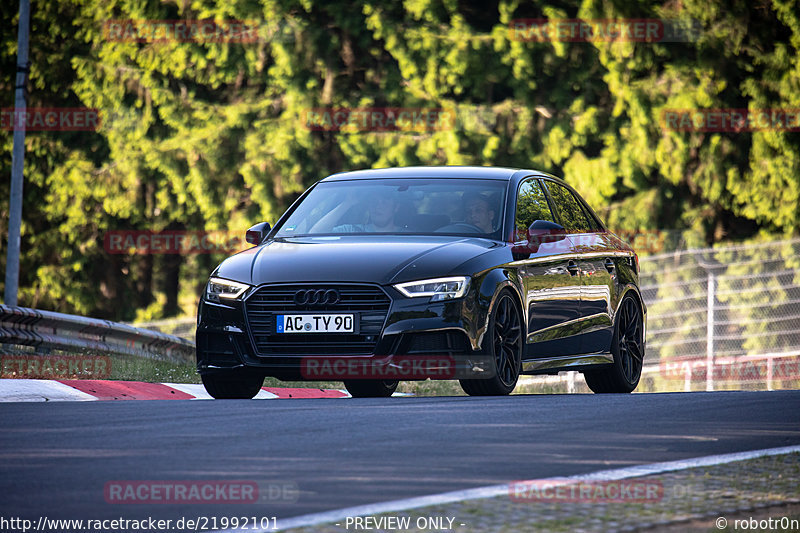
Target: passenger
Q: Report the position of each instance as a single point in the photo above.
(382, 210)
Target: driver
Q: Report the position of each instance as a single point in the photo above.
(382, 209)
(479, 212)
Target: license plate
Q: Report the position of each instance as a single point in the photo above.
(316, 324)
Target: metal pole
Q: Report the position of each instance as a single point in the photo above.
(687, 378)
(17, 158)
(770, 372)
(710, 332)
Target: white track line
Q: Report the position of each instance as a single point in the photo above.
(40, 390)
(199, 391)
(503, 490)
(193, 389)
(265, 395)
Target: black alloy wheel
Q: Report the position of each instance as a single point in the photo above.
(628, 349)
(504, 339)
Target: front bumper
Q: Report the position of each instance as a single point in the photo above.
(442, 337)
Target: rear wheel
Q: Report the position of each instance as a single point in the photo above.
(627, 346)
(503, 343)
(370, 388)
(238, 387)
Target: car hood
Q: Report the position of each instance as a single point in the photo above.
(367, 259)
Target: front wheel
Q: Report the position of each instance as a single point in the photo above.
(232, 387)
(370, 388)
(627, 346)
(503, 343)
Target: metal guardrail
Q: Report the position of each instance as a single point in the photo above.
(47, 330)
(182, 327)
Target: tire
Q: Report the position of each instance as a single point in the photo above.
(503, 343)
(628, 348)
(238, 387)
(370, 388)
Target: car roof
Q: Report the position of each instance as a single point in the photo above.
(463, 172)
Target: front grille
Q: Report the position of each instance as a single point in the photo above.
(368, 302)
(439, 343)
(217, 349)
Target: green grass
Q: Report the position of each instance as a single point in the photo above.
(431, 388)
(130, 368)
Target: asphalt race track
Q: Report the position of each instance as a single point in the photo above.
(57, 457)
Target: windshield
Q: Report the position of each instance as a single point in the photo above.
(469, 207)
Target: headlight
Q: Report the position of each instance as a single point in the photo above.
(438, 289)
(224, 289)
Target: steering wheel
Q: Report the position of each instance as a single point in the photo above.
(461, 226)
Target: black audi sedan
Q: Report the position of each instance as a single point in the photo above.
(479, 274)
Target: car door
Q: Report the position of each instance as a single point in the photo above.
(550, 277)
(595, 257)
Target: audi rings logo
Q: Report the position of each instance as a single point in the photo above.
(317, 297)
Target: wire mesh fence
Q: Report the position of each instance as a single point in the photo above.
(734, 310)
(737, 300)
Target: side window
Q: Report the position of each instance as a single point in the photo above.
(572, 215)
(594, 225)
(531, 205)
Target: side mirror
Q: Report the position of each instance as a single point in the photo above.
(257, 233)
(541, 231)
